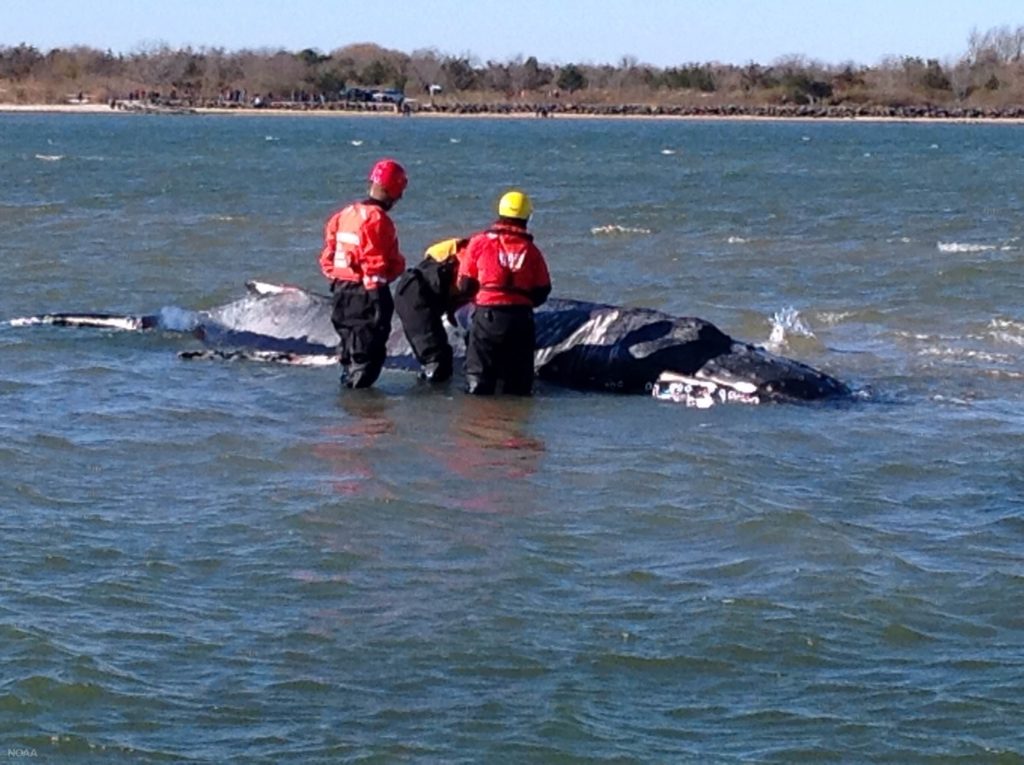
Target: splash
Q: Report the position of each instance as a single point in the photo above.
(787, 322)
(175, 319)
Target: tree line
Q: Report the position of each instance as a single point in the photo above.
(988, 76)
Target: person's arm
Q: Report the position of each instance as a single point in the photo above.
(396, 265)
(539, 295)
(465, 289)
(467, 282)
(380, 259)
(542, 280)
(327, 251)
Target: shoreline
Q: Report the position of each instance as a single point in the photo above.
(757, 114)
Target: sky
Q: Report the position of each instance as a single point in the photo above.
(662, 33)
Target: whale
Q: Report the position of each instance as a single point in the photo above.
(580, 345)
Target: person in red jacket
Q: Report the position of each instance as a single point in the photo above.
(506, 276)
(360, 257)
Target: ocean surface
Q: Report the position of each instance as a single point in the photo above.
(232, 562)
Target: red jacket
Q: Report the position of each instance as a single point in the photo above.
(361, 244)
(507, 266)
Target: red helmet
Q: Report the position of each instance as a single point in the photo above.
(391, 177)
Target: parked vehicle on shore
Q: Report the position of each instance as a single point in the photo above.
(391, 96)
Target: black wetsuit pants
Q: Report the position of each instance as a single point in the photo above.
(362, 319)
(421, 311)
(500, 347)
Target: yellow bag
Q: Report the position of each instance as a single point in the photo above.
(441, 251)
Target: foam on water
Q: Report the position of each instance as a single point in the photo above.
(612, 229)
(1008, 331)
(967, 247)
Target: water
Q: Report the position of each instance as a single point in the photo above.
(231, 562)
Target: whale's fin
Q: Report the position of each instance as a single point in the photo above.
(123, 322)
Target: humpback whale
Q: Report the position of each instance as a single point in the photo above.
(580, 345)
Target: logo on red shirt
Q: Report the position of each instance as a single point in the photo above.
(513, 261)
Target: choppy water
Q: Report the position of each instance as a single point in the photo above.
(230, 562)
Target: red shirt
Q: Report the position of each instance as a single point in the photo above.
(361, 244)
(506, 264)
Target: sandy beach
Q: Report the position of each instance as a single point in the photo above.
(61, 108)
(491, 112)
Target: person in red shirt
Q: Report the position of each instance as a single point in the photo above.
(506, 276)
(361, 258)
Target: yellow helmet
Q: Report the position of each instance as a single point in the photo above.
(515, 204)
(441, 251)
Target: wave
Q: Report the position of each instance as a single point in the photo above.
(617, 229)
(1007, 324)
(737, 240)
(971, 247)
(976, 346)
(1007, 331)
(50, 157)
(832, 318)
(1003, 374)
(949, 353)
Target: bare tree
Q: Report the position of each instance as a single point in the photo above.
(426, 68)
(990, 75)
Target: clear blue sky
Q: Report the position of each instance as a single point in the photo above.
(658, 32)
